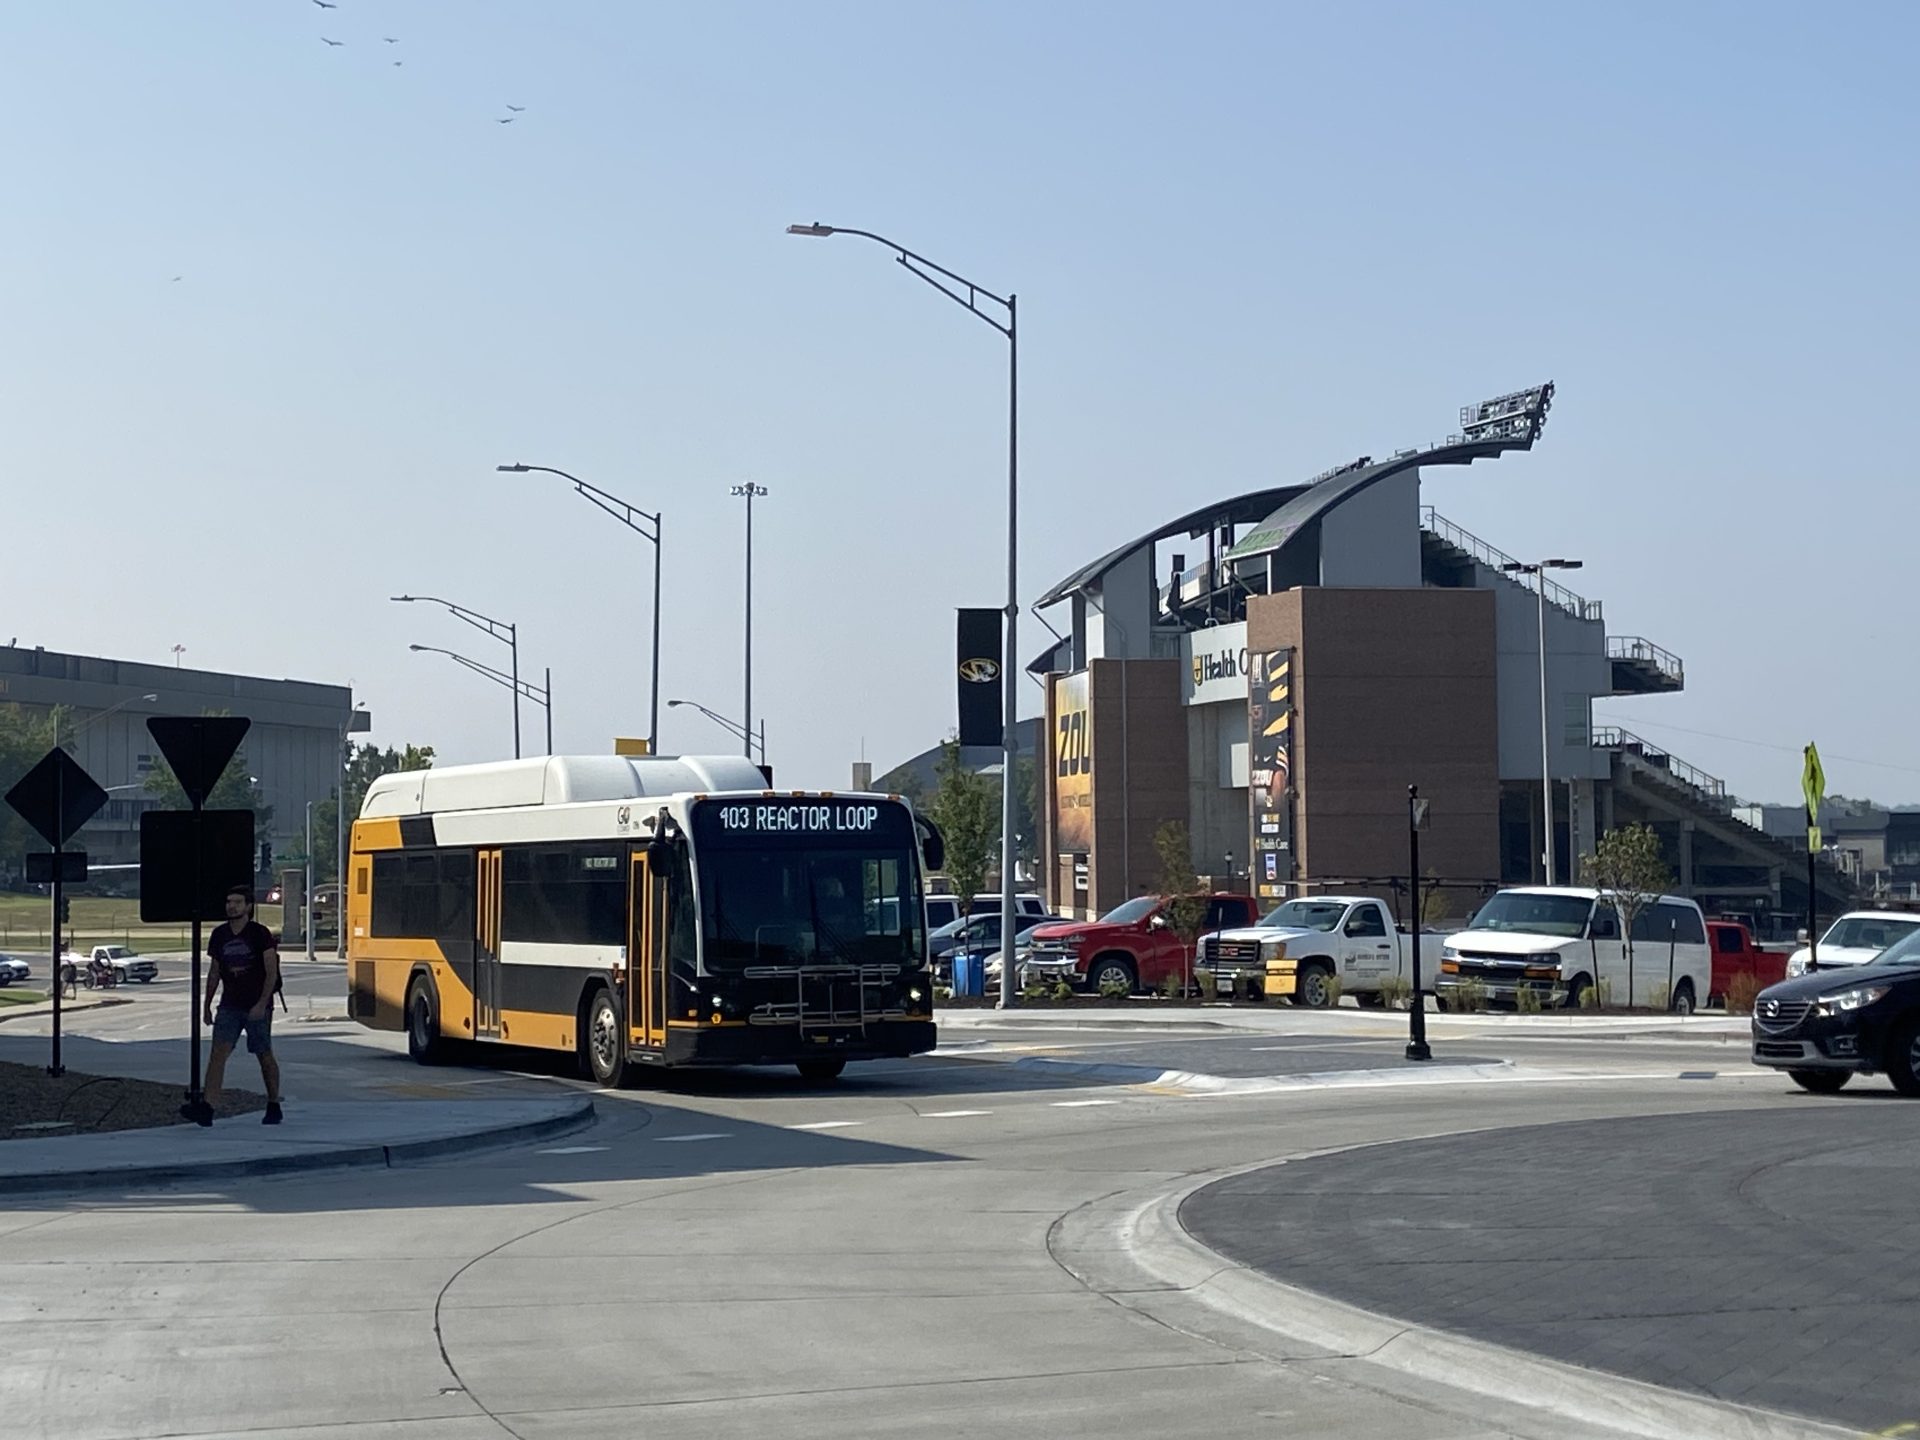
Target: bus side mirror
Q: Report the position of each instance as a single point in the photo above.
(933, 847)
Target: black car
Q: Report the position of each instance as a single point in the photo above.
(1827, 1027)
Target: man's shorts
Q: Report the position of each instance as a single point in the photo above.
(228, 1023)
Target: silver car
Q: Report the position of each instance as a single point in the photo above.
(13, 970)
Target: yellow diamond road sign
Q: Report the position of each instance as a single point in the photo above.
(1813, 784)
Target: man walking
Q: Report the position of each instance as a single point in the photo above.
(243, 965)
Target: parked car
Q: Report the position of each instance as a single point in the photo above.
(13, 970)
(1300, 946)
(943, 910)
(1556, 942)
(981, 931)
(1855, 938)
(1827, 1027)
(1132, 944)
(1736, 954)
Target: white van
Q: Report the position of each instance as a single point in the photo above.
(1556, 941)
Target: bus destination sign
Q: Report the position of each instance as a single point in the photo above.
(786, 817)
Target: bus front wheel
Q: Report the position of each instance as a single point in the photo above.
(820, 1070)
(603, 1047)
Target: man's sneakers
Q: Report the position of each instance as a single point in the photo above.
(199, 1112)
(272, 1117)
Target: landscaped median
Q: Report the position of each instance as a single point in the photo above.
(35, 1105)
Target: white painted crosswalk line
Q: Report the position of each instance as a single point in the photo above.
(951, 1114)
(828, 1125)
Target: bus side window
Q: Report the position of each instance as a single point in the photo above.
(682, 947)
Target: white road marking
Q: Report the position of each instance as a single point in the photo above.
(1079, 1104)
(950, 1114)
(573, 1150)
(828, 1125)
(704, 1135)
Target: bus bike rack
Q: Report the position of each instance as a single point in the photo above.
(833, 980)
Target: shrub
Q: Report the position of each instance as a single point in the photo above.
(1740, 994)
(1061, 993)
(1114, 988)
(1333, 990)
(1209, 986)
(1469, 995)
(1396, 991)
(1660, 997)
(1526, 1001)
(1174, 986)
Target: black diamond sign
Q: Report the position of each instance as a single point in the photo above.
(198, 748)
(57, 797)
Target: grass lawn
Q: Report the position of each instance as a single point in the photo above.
(97, 920)
(15, 995)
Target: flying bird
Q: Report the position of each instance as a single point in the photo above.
(517, 109)
(326, 4)
(398, 63)
(336, 43)
(176, 280)
(507, 121)
(391, 39)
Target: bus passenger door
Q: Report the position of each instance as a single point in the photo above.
(486, 949)
(646, 954)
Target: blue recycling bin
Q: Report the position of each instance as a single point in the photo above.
(969, 973)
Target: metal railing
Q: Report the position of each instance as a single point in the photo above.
(1612, 737)
(1494, 558)
(1645, 652)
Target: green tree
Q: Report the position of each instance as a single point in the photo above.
(1186, 907)
(25, 738)
(1628, 869)
(966, 808)
(366, 764)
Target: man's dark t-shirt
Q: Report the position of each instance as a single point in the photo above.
(242, 962)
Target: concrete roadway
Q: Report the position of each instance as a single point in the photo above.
(927, 1248)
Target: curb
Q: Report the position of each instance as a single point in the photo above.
(578, 1115)
(1153, 1249)
(1199, 1083)
(44, 1008)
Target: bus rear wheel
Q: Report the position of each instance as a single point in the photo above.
(603, 1049)
(820, 1071)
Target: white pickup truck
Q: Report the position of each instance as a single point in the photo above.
(126, 964)
(1351, 938)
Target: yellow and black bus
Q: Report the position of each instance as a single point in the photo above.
(647, 910)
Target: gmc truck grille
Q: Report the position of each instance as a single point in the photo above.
(1213, 948)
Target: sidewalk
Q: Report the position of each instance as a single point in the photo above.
(1293, 1020)
(321, 1136)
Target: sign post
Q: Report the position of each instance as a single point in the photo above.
(198, 748)
(1813, 785)
(57, 797)
(1417, 1047)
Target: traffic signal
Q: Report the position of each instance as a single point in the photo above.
(66, 909)
(266, 856)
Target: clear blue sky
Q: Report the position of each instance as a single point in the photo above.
(1249, 241)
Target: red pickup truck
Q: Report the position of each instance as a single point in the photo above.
(1736, 954)
(1132, 942)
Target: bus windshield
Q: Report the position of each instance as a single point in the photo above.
(807, 882)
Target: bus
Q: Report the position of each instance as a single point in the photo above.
(640, 911)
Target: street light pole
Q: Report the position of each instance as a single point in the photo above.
(964, 292)
(308, 893)
(749, 490)
(1539, 571)
(500, 677)
(631, 517)
(498, 630)
(732, 727)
